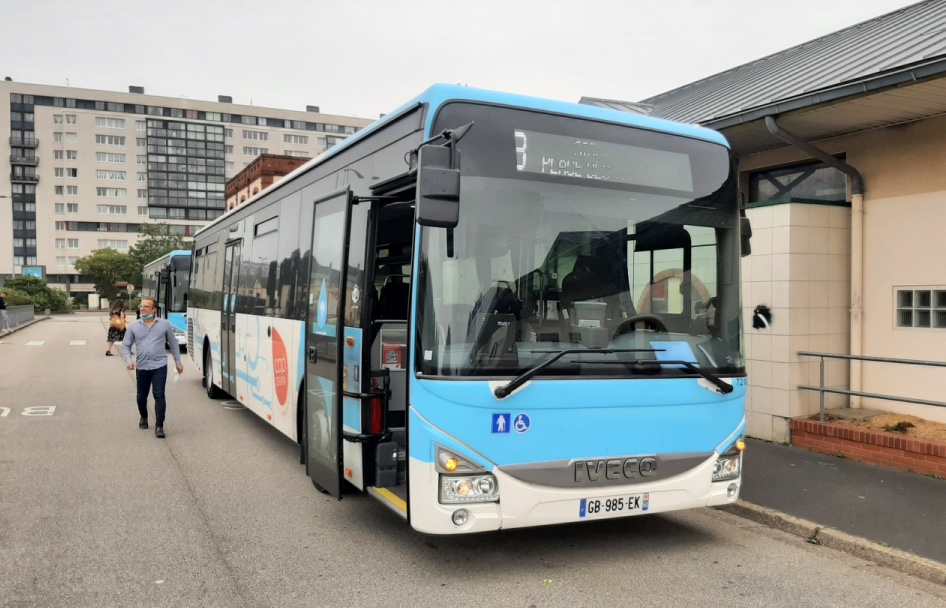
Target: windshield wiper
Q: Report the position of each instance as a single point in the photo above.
(504, 391)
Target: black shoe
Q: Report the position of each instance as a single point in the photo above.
(143, 423)
(159, 432)
(108, 353)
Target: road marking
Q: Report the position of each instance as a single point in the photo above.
(76, 342)
(36, 342)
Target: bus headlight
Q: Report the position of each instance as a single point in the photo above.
(725, 468)
(468, 488)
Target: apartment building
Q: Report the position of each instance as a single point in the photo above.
(88, 167)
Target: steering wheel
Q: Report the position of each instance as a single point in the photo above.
(628, 325)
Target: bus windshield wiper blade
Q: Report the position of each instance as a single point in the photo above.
(503, 391)
(724, 387)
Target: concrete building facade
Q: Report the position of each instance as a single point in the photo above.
(87, 167)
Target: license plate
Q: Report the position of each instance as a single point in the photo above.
(613, 505)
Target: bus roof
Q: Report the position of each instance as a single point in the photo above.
(169, 255)
(441, 94)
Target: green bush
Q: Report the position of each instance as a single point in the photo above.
(31, 290)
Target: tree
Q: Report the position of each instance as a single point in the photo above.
(104, 268)
(155, 240)
(36, 292)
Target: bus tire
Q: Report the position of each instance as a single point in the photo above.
(212, 391)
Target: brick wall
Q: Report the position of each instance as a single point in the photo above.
(875, 447)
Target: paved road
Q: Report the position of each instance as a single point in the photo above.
(95, 512)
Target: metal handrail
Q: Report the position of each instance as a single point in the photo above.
(822, 390)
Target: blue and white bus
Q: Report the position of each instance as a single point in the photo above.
(491, 311)
(167, 280)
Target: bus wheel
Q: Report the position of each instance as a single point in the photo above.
(212, 391)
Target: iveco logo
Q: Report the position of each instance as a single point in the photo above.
(615, 468)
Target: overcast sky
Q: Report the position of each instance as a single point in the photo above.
(366, 57)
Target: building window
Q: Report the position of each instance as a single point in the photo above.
(113, 244)
(109, 123)
(141, 126)
(923, 307)
(57, 137)
(142, 142)
(71, 138)
(72, 207)
(257, 135)
(810, 181)
(143, 193)
(142, 159)
(58, 154)
(60, 208)
(110, 140)
(71, 118)
(72, 172)
(143, 211)
(110, 175)
(251, 151)
(57, 119)
(72, 190)
(59, 172)
(111, 192)
(112, 209)
(72, 154)
(58, 190)
(289, 138)
(109, 157)
(60, 260)
(73, 243)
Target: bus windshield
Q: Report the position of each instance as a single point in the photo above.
(178, 283)
(536, 267)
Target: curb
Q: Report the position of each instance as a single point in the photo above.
(895, 559)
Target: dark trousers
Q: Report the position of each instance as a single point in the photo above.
(155, 380)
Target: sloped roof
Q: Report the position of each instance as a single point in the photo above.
(914, 36)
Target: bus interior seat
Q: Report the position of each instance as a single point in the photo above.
(393, 300)
(590, 280)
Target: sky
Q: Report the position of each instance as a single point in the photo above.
(367, 57)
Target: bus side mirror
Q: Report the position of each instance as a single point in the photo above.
(438, 188)
(745, 233)
(164, 277)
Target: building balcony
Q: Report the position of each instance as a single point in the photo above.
(24, 142)
(24, 179)
(24, 160)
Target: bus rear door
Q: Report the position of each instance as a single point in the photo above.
(324, 331)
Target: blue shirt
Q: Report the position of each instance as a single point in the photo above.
(150, 344)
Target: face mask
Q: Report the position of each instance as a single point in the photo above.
(147, 317)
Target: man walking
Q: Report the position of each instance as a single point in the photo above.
(150, 334)
(4, 320)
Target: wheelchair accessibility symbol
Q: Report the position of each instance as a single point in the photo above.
(522, 423)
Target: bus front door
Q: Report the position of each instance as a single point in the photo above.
(324, 331)
(231, 283)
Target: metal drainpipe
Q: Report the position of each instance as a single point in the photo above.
(857, 245)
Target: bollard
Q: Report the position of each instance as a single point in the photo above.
(47, 313)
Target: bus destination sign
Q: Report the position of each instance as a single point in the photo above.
(582, 158)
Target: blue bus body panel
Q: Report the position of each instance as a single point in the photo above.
(582, 418)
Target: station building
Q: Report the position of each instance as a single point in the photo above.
(841, 151)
